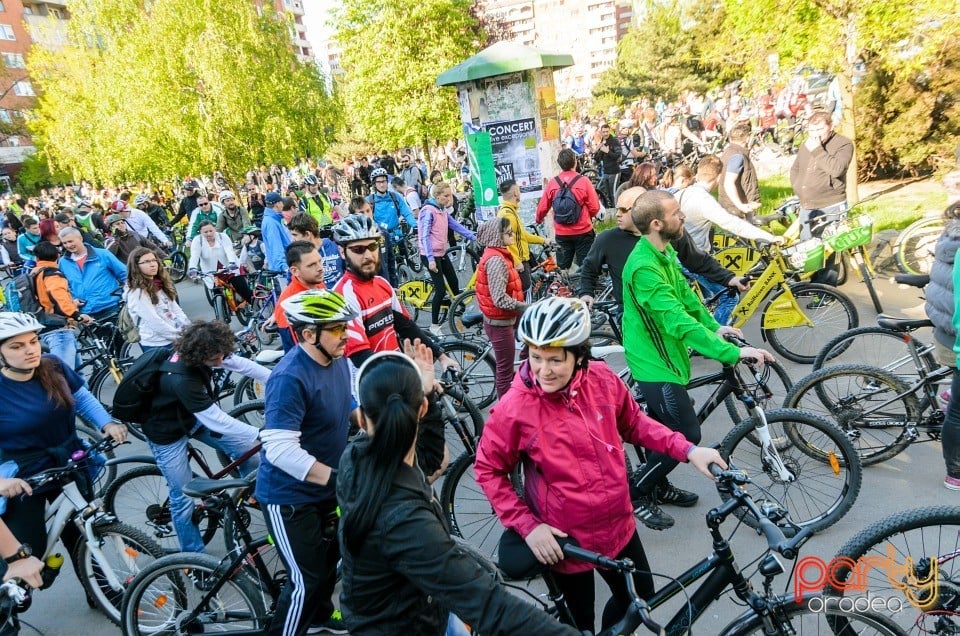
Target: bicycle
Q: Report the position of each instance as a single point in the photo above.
(266, 292)
(807, 464)
(109, 553)
(191, 593)
(924, 588)
(140, 495)
(417, 296)
(767, 613)
(796, 316)
(223, 298)
(177, 260)
(880, 413)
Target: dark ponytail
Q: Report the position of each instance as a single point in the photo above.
(391, 393)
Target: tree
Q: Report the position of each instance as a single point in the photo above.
(392, 53)
(667, 52)
(149, 89)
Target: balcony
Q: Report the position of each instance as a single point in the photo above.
(293, 6)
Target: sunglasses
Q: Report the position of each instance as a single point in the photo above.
(337, 330)
(359, 250)
(623, 210)
(204, 204)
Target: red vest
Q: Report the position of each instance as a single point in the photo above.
(514, 286)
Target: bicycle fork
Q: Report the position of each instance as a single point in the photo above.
(768, 450)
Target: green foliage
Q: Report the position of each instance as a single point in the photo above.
(392, 53)
(666, 53)
(172, 87)
(35, 173)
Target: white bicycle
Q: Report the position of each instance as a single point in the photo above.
(109, 554)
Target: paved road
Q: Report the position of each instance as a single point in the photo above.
(909, 480)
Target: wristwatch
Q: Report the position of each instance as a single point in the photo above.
(23, 552)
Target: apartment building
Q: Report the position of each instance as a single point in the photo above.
(587, 29)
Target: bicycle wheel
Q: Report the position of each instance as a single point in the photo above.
(248, 389)
(812, 616)
(161, 599)
(821, 472)
(178, 266)
(469, 513)
(777, 381)
(264, 337)
(863, 402)
(915, 246)
(470, 423)
(478, 377)
(126, 551)
(90, 435)
(830, 311)
(922, 541)
(249, 516)
(104, 385)
(244, 313)
(140, 498)
(220, 310)
(463, 303)
(877, 347)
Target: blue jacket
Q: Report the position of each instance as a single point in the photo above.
(101, 275)
(388, 208)
(276, 237)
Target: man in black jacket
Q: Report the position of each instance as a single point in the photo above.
(613, 246)
(608, 155)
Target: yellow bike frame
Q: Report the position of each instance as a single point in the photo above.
(783, 311)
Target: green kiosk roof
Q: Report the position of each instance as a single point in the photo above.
(500, 59)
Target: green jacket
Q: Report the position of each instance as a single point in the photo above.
(663, 317)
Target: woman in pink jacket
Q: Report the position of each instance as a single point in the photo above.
(566, 420)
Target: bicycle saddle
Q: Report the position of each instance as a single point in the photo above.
(903, 325)
(914, 280)
(268, 356)
(203, 487)
(471, 318)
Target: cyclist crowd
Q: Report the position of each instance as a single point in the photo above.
(356, 361)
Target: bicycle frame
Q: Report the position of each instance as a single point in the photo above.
(782, 312)
(63, 510)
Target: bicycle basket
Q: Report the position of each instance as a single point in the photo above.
(806, 256)
(849, 233)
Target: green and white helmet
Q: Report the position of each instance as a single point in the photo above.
(317, 306)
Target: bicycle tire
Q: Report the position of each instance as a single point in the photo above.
(129, 352)
(249, 389)
(914, 248)
(778, 382)
(104, 387)
(469, 513)
(872, 346)
(920, 534)
(134, 550)
(263, 337)
(479, 370)
(220, 310)
(108, 473)
(464, 302)
(823, 458)
(163, 592)
(471, 420)
(802, 619)
(141, 498)
(842, 393)
(244, 313)
(829, 318)
(178, 266)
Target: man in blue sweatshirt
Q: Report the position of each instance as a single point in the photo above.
(276, 237)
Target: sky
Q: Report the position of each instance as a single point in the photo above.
(315, 16)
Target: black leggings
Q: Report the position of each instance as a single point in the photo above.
(670, 405)
(579, 591)
(25, 517)
(444, 270)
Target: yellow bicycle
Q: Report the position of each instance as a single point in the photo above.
(417, 296)
(797, 316)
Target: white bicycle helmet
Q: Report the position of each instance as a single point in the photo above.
(226, 194)
(316, 307)
(555, 322)
(378, 172)
(311, 180)
(356, 227)
(15, 323)
(141, 199)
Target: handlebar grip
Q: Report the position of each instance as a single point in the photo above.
(715, 470)
(776, 540)
(579, 553)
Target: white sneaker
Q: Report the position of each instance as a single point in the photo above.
(436, 330)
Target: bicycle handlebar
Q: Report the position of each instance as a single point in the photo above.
(73, 465)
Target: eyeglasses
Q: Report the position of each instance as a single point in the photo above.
(379, 180)
(150, 262)
(360, 249)
(337, 330)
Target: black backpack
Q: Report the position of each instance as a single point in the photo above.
(134, 396)
(566, 209)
